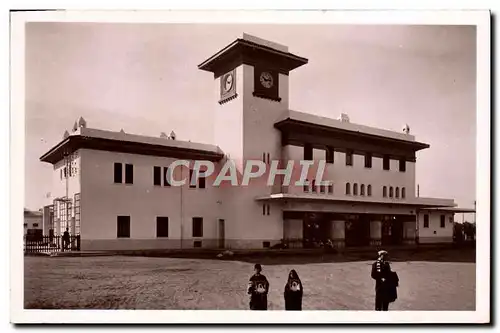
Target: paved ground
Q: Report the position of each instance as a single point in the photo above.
(121, 282)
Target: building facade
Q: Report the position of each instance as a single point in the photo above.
(111, 187)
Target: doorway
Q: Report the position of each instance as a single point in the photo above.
(392, 230)
(316, 230)
(357, 230)
(222, 235)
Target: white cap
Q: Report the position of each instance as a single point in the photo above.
(382, 252)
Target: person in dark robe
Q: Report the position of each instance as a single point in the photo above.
(381, 273)
(293, 292)
(258, 288)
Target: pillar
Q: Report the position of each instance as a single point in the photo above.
(46, 220)
(72, 226)
(57, 227)
(293, 232)
(338, 233)
(375, 233)
(409, 232)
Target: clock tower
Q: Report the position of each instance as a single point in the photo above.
(251, 93)
(251, 89)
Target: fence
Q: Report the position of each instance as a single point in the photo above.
(49, 244)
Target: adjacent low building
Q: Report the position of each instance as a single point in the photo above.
(33, 227)
(112, 189)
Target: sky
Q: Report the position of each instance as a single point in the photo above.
(143, 78)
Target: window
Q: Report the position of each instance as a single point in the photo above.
(329, 154)
(191, 185)
(391, 192)
(197, 227)
(397, 192)
(268, 159)
(426, 220)
(264, 157)
(201, 182)
(129, 174)
(306, 186)
(65, 172)
(387, 162)
(362, 189)
(157, 176)
(348, 157)
(161, 226)
(368, 160)
(266, 209)
(197, 244)
(442, 221)
(308, 152)
(60, 171)
(35, 225)
(123, 227)
(26, 225)
(369, 190)
(165, 177)
(322, 188)
(313, 185)
(118, 173)
(355, 189)
(403, 193)
(402, 165)
(348, 188)
(330, 188)
(384, 191)
(266, 244)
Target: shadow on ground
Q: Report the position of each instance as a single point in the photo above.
(285, 257)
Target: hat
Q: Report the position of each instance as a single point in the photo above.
(382, 252)
(258, 266)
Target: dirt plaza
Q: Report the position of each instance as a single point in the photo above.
(134, 282)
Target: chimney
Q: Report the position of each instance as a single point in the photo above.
(406, 129)
(344, 118)
(82, 123)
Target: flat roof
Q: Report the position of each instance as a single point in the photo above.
(251, 47)
(31, 213)
(416, 202)
(96, 139)
(450, 209)
(342, 125)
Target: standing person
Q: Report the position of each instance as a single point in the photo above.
(381, 273)
(65, 239)
(258, 288)
(293, 292)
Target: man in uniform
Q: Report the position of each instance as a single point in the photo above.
(381, 273)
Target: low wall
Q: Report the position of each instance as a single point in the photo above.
(125, 244)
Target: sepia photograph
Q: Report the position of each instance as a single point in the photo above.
(244, 161)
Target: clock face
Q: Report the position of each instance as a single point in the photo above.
(228, 82)
(266, 79)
